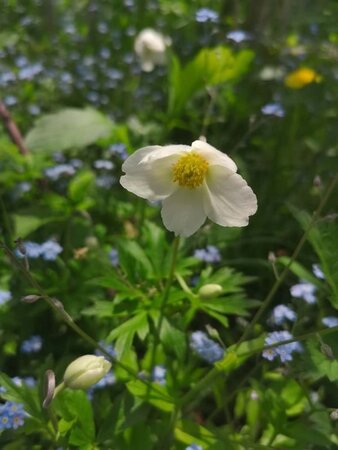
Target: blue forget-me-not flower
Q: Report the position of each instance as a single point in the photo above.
(330, 321)
(206, 348)
(32, 345)
(304, 290)
(281, 313)
(210, 254)
(4, 296)
(284, 352)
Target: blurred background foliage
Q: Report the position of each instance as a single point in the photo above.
(75, 88)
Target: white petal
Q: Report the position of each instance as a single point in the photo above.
(133, 160)
(148, 154)
(183, 211)
(149, 171)
(152, 180)
(214, 156)
(228, 200)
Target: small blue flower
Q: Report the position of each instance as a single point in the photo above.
(318, 271)
(304, 290)
(105, 181)
(103, 164)
(108, 380)
(273, 109)
(210, 254)
(194, 447)
(330, 321)
(206, 15)
(284, 352)
(4, 296)
(33, 249)
(238, 36)
(108, 348)
(114, 257)
(32, 345)
(206, 348)
(158, 375)
(281, 313)
(11, 415)
(23, 187)
(118, 149)
(50, 250)
(76, 163)
(55, 172)
(5, 419)
(10, 100)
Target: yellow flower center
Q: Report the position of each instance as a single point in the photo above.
(190, 170)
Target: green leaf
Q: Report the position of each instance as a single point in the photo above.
(228, 362)
(158, 396)
(210, 67)
(75, 407)
(79, 185)
(26, 224)
(124, 334)
(299, 270)
(134, 260)
(190, 432)
(68, 128)
(173, 339)
(322, 364)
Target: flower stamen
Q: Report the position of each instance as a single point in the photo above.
(190, 170)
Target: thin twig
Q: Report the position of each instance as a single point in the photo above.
(12, 129)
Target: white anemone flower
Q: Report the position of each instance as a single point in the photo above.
(193, 183)
(150, 46)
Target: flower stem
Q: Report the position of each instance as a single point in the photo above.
(59, 388)
(158, 326)
(295, 254)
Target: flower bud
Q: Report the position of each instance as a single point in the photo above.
(209, 291)
(334, 414)
(86, 371)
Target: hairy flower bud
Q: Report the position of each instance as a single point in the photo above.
(86, 371)
(210, 291)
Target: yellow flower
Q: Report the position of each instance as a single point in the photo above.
(301, 77)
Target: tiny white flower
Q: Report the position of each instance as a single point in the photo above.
(193, 182)
(150, 46)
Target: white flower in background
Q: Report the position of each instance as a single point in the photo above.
(150, 46)
(193, 183)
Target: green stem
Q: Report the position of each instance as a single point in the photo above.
(295, 254)
(158, 326)
(199, 387)
(59, 388)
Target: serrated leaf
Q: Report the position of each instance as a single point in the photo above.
(134, 260)
(74, 406)
(68, 128)
(124, 334)
(174, 339)
(158, 396)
